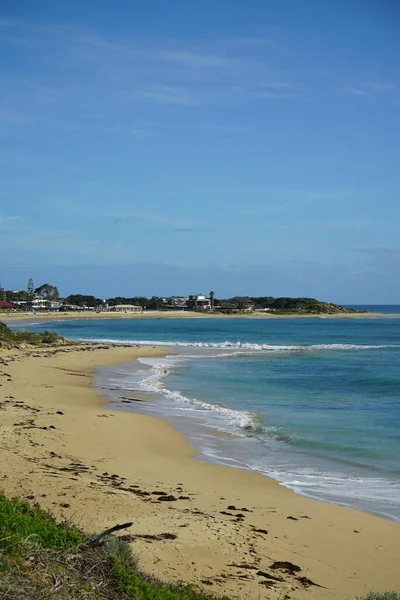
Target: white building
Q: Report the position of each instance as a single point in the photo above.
(199, 301)
(126, 308)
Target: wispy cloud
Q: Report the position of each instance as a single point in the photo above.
(143, 134)
(313, 196)
(195, 60)
(224, 128)
(120, 213)
(94, 72)
(369, 88)
(166, 95)
(6, 219)
(275, 90)
(273, 95)
(350, 224)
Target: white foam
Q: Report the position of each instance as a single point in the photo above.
(242, 346)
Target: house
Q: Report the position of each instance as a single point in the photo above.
(199, 302)
(6, 305)
(177, 303)
(126, 308)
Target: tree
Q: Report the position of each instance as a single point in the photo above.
(47, 292)
(241, 302)
(155, 303)
(30, 293)
(83, 300)
(212, 299)
(2, 293)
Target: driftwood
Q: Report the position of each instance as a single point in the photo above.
(98, 539)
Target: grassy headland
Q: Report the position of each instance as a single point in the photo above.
(19, 339)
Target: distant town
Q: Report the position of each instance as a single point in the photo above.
(46, 298)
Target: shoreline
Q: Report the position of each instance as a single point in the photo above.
(153, 314)
(55, 429)
(201, 435)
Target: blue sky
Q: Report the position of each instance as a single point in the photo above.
(175, 147)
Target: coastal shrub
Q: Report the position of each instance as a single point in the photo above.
(381, 596)
(120, 550)
(13, 339)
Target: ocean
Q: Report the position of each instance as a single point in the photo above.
(313, 402)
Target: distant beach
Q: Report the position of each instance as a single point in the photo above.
(176, 314)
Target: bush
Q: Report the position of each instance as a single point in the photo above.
(14, 339)
(381, 596)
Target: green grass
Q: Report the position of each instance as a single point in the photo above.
(42, 551)
(20, 521)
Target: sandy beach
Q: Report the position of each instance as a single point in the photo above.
(10, 317)
(231, 531)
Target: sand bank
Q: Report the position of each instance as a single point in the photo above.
(234, 529)
(9, 317)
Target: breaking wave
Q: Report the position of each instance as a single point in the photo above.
(240, 346)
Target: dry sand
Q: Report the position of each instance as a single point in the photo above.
(178, 314)
(61, 447)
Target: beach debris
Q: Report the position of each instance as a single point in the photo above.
(306, 582)
(158, 537)
(97, 541)
(292, 518)
(169, 498)
(269, 576)
(256, 530)
(243, 566)
(285, 566)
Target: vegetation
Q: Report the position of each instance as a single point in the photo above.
(15, 339)
(153, 303)
(381, 596)
(83, 300)
(304, 306)
(57, 560)
(282, 305)
(47, 292)
(30, 291)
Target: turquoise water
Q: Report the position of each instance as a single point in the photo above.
(314, 403)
